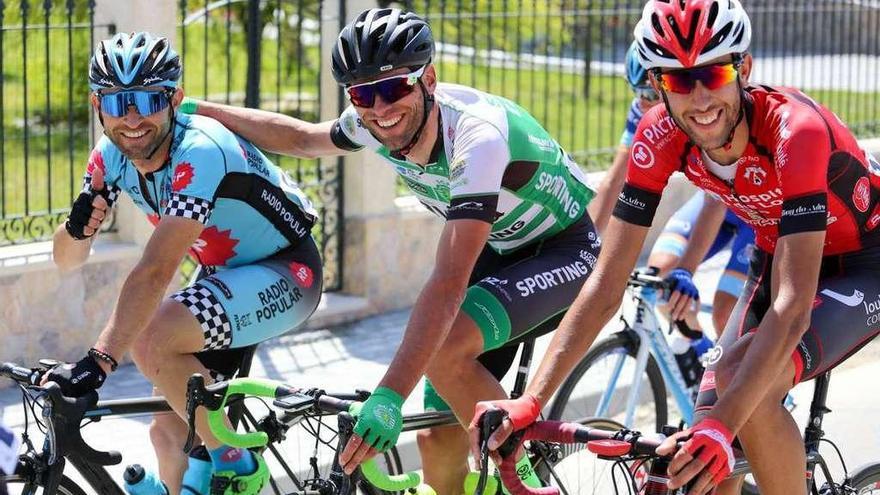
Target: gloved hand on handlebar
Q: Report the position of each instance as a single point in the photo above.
(520, 413)
(709, 448)
(682, 292)
(77, 379)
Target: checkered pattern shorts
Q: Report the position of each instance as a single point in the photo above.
(210, 314)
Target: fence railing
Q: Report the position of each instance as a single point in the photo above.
(267, 55)
(45, 118)
(563, 59)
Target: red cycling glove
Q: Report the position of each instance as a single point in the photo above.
(711, 443)
(522, 412)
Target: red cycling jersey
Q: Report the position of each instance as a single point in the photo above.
(802, 171)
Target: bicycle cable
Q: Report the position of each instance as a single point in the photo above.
(839, 454)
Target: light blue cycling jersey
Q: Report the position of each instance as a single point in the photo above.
(250, 208)
(632, 123)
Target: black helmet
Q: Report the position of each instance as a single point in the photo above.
(380, 40)
(136, 59)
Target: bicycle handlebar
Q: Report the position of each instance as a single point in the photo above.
(623, 443)
(214, 398)
(63, 416)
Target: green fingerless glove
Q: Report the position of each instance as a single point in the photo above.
(380, 421)
(188, 105)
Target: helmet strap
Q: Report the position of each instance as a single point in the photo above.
(428, 103)
(170, 129)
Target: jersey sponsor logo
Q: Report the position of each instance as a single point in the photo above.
(808, 357)
(276, 299)
(755, 174)
(468, 205)
(288, 217)
(708, 381)
(255, 161)
(557, 187)
(631, 201)
(872, 311)
(659, 132)
(96, 160)
(767, 199)
(713, 355)
(496, 332)
(874, 220)
(242, 321)
(781, 156)
(302, 274)
(348, 123)
(589, 258)
(862, 194)
(545, 144)
(183, 176)
(509, 231)
(799, 211)
(852, 301)
(552, 278)
(220, 285)
(214, 246)
(642, 155)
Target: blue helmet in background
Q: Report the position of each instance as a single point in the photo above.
(636, 75)
(131, 60)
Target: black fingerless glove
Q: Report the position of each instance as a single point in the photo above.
(79, 378)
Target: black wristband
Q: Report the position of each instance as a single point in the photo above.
(103, 356)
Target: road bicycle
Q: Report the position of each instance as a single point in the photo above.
(44, 470)
(626, 462)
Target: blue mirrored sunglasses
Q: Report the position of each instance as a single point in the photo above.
(146, 102)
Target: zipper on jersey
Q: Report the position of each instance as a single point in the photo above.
(146, 192)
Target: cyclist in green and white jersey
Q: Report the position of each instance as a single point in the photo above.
(517, 245)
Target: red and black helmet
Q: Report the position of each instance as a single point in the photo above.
(685, 33)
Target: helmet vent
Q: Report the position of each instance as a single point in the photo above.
(718, 39)
(713, 14)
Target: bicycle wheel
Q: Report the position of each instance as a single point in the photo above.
(612, 363)
(310, 445)
(16, 485)
(866, 480)
(578, 471)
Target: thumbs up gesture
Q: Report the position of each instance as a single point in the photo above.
(89, 209)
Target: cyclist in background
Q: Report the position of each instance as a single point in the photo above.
(516, 247)
(207, 192)
(788, 167)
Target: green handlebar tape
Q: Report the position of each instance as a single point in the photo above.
(249, 387)
(386, 482)
(188, 105)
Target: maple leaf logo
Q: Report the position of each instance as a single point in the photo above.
(302, 274)
(214, 246)
(153, 219)
(96, 160)
(183, 175)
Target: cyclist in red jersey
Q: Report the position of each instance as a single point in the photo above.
(788, 167)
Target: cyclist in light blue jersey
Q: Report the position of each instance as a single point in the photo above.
(212, 194)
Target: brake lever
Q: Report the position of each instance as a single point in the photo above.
(198, 395)
(489, 423)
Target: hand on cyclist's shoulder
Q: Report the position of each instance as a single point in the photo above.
(379, 422)
(77, 379)
(706, 456)
(519, 413)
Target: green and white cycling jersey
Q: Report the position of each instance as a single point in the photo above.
(494, 163)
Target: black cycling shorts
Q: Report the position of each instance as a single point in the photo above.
(845, 317)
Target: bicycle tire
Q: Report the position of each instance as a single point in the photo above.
(866, 479)
(66, 487)
(621, 343)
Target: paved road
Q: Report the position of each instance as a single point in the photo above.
(356, 356)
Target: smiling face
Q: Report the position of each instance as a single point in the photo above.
(395, 124)
(708, 116)
(134, 134)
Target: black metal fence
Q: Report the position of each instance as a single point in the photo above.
(563, 59)
(45, 126)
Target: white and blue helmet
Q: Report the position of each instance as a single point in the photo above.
(132, 60)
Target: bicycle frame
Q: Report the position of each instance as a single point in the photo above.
(650, 338)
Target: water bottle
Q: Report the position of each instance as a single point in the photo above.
(197, 478)
(657, 478)
(686, 356)
(139, 481)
